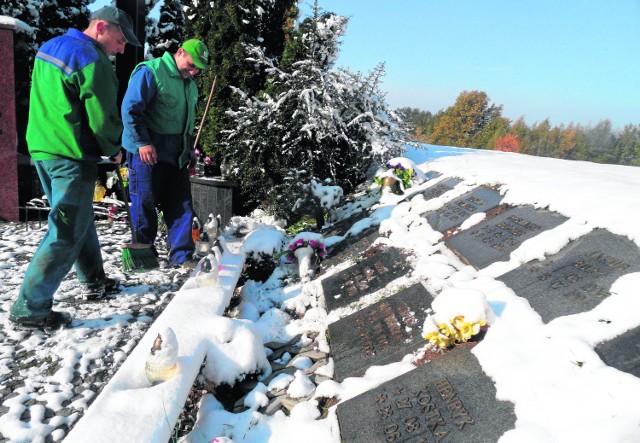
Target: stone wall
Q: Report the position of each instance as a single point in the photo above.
(8, 134)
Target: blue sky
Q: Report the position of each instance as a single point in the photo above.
(566, 60)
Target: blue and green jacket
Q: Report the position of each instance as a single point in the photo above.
(159, 109)
(73, 110)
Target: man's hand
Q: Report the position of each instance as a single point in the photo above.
(148, 154)
(194, 159)
(117, 159)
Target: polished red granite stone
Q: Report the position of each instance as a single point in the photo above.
(8, 134)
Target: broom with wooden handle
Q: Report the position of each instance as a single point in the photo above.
(206, 110)
(136, 257)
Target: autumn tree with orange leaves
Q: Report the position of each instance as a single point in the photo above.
(508, 143)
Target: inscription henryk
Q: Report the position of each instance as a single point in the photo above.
(446, 400)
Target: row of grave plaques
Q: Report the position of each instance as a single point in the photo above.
(451, 399)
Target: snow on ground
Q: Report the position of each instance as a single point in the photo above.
(561, 390)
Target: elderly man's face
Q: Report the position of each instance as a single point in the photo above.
(111, 39)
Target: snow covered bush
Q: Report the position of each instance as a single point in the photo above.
(299, 197)
(332, 124)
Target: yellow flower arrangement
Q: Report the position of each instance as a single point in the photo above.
(457, 330)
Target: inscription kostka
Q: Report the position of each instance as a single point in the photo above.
(449, 399)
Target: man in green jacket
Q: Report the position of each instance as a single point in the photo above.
(158, 111)
(73, 121)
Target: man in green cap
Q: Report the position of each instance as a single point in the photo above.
(73, 122)
(158, 113)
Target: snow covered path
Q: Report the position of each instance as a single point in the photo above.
(46, 382)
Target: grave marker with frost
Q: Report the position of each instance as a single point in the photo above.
(452, 214)
(576, 279)
(449, 399)
(381, 333)
(622, 352)
(369, 275)
(495, 239)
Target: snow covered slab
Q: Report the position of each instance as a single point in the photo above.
(495, 239)
(363, 278)
(381, 333)
(452, 214)
(576, 279)
(440, 188)
(129, 408)
(449, 399)
(350, 247)
(623, 352)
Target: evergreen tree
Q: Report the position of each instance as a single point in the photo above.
(330, 124)
(628, 146)
(232, 29)
(58, 16)
(169, 32)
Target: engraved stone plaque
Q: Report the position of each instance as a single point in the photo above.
(343, 226)
(350, 247)
(440, 188)
(449, 400)
(432, 174)
(495, 239)
(623, 352)
(576, 279)
(381, 333)
(369, 275)
(458, 210)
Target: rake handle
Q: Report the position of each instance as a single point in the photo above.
(206, 111)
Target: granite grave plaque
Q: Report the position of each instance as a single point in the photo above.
(494, 240)
(458, 210)
(446, 400)
(341, 227)
(350, 247)
(430, 175)
(365, 277)
(381, 333)
(623, 352)
(576, 279)
(438, 189)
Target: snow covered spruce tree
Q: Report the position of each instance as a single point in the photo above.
(58, 16)
(168, 33)
(228, 27)
(332, 124)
